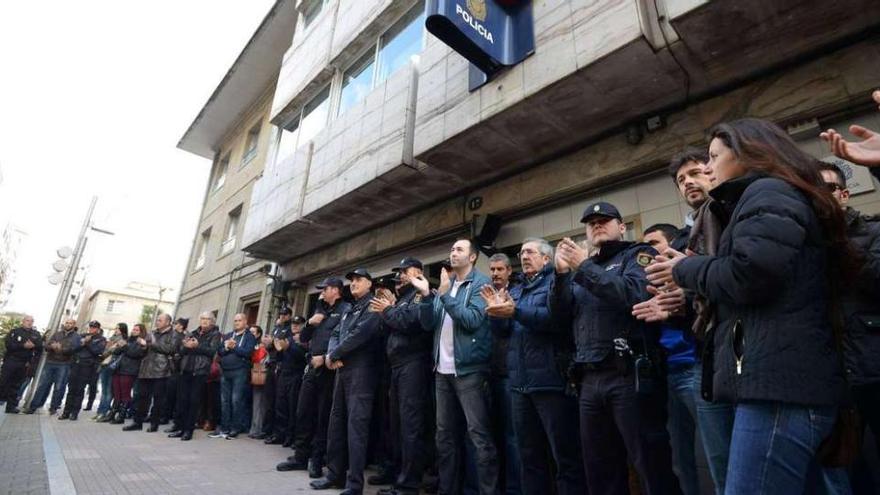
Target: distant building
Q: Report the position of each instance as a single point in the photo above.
(10, 246)
(124, 305)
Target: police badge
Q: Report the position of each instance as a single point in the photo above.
(478, 8)
(644, 259)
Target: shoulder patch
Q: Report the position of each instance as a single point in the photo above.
(644, 259)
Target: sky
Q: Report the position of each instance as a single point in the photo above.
(94, 96)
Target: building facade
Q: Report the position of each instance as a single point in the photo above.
(129, 305)
(383, 151)
(10, 245)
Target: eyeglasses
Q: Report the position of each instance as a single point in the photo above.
(527, 252)
(833, 187)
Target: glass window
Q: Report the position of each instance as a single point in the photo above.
(231, 230)
(314, 117)
(401, 42)
(220, 174)
(357, 81)
(286, 144)
(310, 11)
(250, 149)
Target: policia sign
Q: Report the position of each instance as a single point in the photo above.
(491, 34)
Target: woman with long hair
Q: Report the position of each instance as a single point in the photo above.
(258, 361)
(770, 348)
(131, 354)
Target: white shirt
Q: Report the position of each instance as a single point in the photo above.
(446, 363)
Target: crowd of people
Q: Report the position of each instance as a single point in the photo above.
(753, 327)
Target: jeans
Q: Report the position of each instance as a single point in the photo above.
(466, 396)
(233, 400)
(505, 438)
(105, 376)
(55, 376)
(773, 445)
(715, 420)
(682, 426)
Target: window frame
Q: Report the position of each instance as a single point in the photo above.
(219, 180)
(230, 236)
(251, 144)
(304, 7)
(202, 253)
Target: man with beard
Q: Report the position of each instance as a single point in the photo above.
(22, 345)
(60, 347)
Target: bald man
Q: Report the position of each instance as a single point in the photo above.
(60, 348)
(235, 361)
(23, 343)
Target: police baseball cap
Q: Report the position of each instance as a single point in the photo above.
(298, 320)
(359, 272)
(331, 282)
(285, 311)
(600, 209)
(95, 324)
(408, 262)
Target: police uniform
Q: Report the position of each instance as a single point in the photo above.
(357, 342)
(619, 364)
(289, 367)
(82, 371)
(15, 363)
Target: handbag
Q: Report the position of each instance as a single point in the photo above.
(114, 363)
(258, 374)
(214, 374)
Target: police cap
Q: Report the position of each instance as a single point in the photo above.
(600, 209)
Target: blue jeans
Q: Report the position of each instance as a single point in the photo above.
(682, 426)
(773, 445)
(715, 421)
(105, 376)
(233, 400)
(54, 376)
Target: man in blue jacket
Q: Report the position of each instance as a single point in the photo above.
(235, 361)
(537, 358)
(462, 349)
(83, 370)
(618, 358)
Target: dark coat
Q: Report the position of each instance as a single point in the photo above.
(161, 348)
(539, 347)
(239, 356)
(198, 359)
(357, 340)
(132, 354)
(598, 298)
(861, 303)
(772, 334)
(89, 353)
(70, 343)
(15, 340)
(407, 340)
(318, 336)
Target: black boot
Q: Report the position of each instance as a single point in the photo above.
(88, 406)
(133, 427)
(315, 469)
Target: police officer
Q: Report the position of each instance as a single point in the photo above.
(355, 351)
(22, 345)
(291, 357)
(316, 393)
(279, 434)
(83, 370)
(408, 349)
(618, 358)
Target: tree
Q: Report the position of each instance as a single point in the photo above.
(147, 314)
(8, 321)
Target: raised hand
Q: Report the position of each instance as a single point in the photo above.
(488, 293)
(571, 253)
(421, 284)
(660, 272)
(445, 283)
(316, 319)
(379, 304)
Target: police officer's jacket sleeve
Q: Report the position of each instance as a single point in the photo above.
(96, 346)
(367, 327)
(869, 276)
(428, 313)
(403, 319)
(561, 298)
(12, 343)
(620, 289)
(768, 233)
(469, 315)
(308, 330)
(38, 344)
(68, 347)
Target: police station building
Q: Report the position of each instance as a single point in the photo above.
(396, 126)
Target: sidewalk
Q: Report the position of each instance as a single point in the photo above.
(40, 454)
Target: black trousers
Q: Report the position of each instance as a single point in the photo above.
(151, 390)
(410, 401)
(269, 390)
(93, 386)
(313, 415)
(12, 375)
(80, 376)
(348, 432)
(287, 386)
(169, 406)
(626, 425)
(190, 389)
(541, 419)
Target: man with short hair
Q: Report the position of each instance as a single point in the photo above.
(169, 409)
(291, 359)
(316, 393)
(60, 347)
(153, 375)
(455, 314)
(83, 369)
(279, 435)
(408, 350)
(537, 359)
(614, 352)
(197, 352)
(23, 343)
(235, 364)
(355, 351)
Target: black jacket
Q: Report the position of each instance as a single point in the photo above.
(292, 360)
(318, 336)
(70, 343)
(15, 340)
(132, 354)
(161, 348)
(598, 298)
(861, 303)
(357, 340)
(772, 334)
(407, 340)
(198, 359)
(89, 353)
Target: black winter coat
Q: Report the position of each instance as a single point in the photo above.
(161, 348)
(198, 359)
(861, 303)
(357, 340)
(772, 334)
(89, 354)
(15, 341)
(407, 339)
(318, 336)
(132, 354)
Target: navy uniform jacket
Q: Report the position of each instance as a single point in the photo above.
(407, 339)
(318, 336)
(357, 340)
(15, 349)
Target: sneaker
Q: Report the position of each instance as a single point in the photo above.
(217, 434)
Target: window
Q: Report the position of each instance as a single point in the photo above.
(203, 249)
(286, 144)
(310, 11)
(231, 229)
(220, 173)
(396, 47)
(357, 81)
(314, 117)
(250, 148)
(115, 306)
